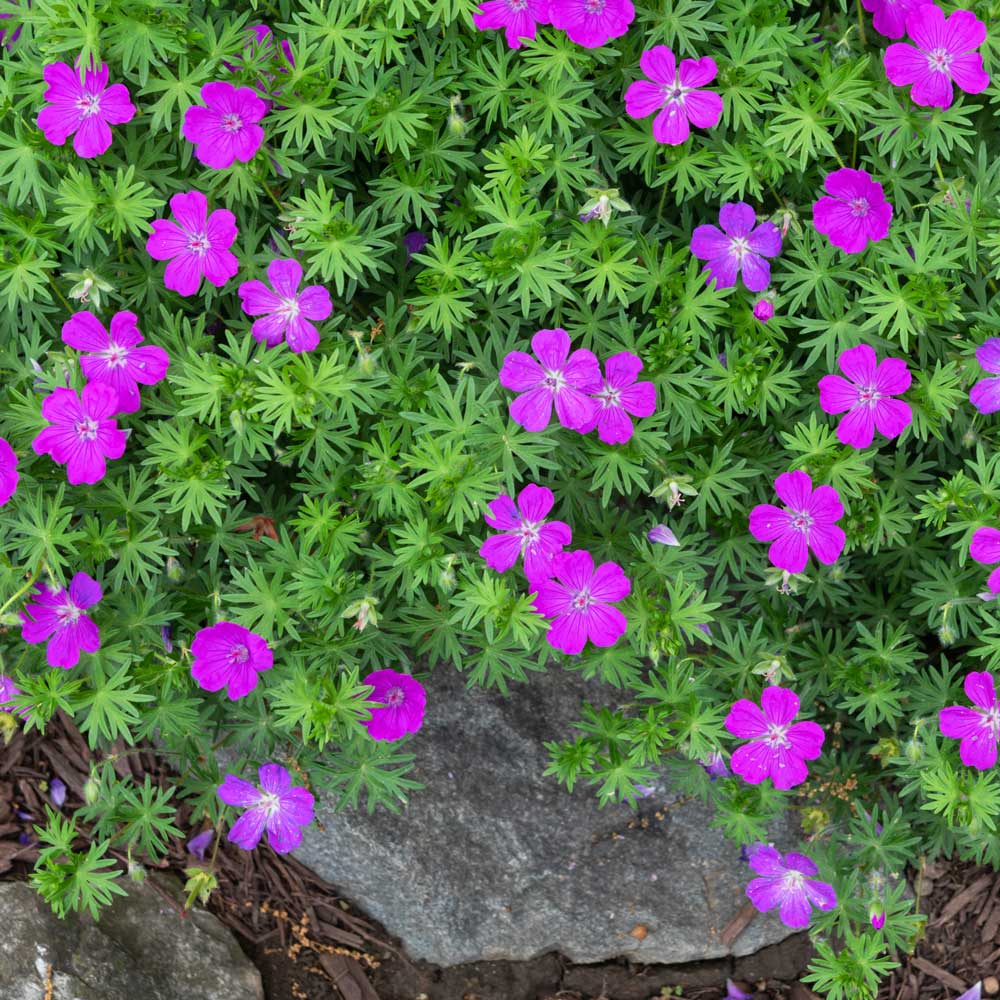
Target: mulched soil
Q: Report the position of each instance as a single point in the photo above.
(311, 944)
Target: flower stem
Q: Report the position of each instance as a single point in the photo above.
(861, 25)
(10, 600)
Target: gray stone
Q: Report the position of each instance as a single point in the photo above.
(141, 949)
(492, 860)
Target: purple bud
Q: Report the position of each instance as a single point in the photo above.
(878, 921)
(662, 534)
(24, 815)
(414, 242)
(644, 791)
(24, 839)
(715, 766)
(975, 993)
(57, 792)
(168, 644)
(199, 845)
(763, 310)
(733, 992)
(703, 627)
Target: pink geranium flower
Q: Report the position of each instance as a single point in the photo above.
(116, 359)
(620, 397)
(807, 522)
(8, 471)
(82, 432)
(944, 54)
(985, 394)
(518, 18)
(524, 532)
(56, 616)
(276, 806)
(556, 377)
(226, 129)
(740, 246)
(197, 244)
(985, 549)
(227, 655)
(399, 702)
(787, 884)
(866, 396)
(890, 15)
(591, 23)
(675, 93)
(82, 109)
(978, 728)
(578, 598)
(763, 310)
(285, 312)
(854, 211)
(778, 748)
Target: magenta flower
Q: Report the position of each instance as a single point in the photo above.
(276, 806)
(854, 212)
(620, 397)
(8, 692)
(116, 359)
(944, 54)
(675, 93)
(8, 471)
(807, 522)
(715, 766)
(524, 532)
(733, 992)
(662, 535)
(778, 748)
(8, 40)
(227, 655)
(973, 993)
(82, 432)
(199, 843)
(763, 310)
(82, 109)
(740, 246)
(402, 702)
(876, 914)
(414, 242)
(978, 728)
(578, 598)
(866, 396)
(985, 549)
(890, 15)
(786, 883)
(285, 312)
(591, 23)
(226, 129)
(518, 18)
(196, 245)
(556, 377)
(56, 616)
(985, 394)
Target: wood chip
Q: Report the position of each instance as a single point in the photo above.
(962, 899)
(738, 924)
(941, 975)
(348, 977)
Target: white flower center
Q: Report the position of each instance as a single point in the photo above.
(517, 5)
(593, 6)
(394, 697)
(198, 243)
(238, 654)
(269, 802)
(939, 60)
(554, 381)
(529, 533)
(609, 397)
(88, 105)
(116, 355)
(801, 521)
(582, 600)
(674, 92)
(68, 614)
(289, 309)
(776, 737)
(991, 721)
(869, 395)
(739, 246)
(86, 429)
(859, 207)
(231, 122)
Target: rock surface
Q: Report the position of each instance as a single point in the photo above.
(139, 950)
(494, 861)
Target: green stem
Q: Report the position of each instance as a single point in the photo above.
(62, 298)
(861, 25)
(10, 600)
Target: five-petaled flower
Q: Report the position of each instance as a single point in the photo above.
(675, 93)
(978, 728)
(740, 246)
(788, 885)
(82, 108)
(866, 394)
(227, 655)
(524, 532)
(853, 212)
(116, 359)
(276, 806)
(398, 704)
(579, 599)
(944, 54)
(620, 398)
(778, 747)
(591, 23)
(8, 471)
(58, 617)
(285, 312)
(985, 549)
(807, 522)
(890, 15)
(225, 129)
(82, 432)
(197, 244)
(555, 377)
(518, 18)
(985, 394)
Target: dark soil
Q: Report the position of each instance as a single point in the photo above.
(311, 944)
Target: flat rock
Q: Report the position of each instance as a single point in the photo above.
(492, 860)
(141, 949)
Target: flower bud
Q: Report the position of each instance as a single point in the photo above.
(91, 790)
(876, 914)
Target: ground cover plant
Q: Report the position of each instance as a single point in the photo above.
(347, 341)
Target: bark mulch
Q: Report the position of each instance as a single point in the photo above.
(311, 944)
